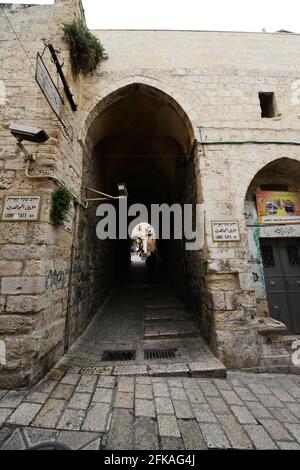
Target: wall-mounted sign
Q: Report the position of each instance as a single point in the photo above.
(48, 87)
(68, 222)
(52, 94)
(278, 207)
(21, 208)
(225, 231)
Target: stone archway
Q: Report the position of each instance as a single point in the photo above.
(140, 135)
(94, 101)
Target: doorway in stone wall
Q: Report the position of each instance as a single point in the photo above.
(274, 240)
(281, 262)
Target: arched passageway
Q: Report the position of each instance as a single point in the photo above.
(142, 138)
(272, 208)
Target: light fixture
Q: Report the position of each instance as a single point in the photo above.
(122, 194)
(122, 190)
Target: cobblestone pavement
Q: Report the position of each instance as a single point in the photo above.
(120, 324)
(244, 411)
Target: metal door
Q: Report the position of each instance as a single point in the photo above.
(281, 260)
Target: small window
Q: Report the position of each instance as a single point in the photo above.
(267, 104)
(268, 256)
(293, 255)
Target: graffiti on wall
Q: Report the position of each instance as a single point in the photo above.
(57, 279)
(280, 231)
(256, 263)
(255, 260)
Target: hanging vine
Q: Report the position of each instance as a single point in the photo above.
(85, 48)
(61, 200)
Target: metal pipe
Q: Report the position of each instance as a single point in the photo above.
(105, 198)
(102, 194)
(51, 177)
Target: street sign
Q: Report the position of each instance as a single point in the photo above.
(223, 231)
(21, 208)
(48, 87)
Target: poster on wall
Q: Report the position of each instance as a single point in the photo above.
(278, 207)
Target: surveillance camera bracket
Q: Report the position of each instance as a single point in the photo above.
(29, 157)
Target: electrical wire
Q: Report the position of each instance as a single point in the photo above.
(17, 37)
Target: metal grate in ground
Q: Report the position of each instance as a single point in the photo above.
(160, 353)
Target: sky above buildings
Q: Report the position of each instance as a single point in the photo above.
(224, 15)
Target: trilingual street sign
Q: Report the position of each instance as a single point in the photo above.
(225, 231)
(21, 208)
(48, 87)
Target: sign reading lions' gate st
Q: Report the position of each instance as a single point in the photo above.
(21, 208)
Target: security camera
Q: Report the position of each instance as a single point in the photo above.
(30, 134)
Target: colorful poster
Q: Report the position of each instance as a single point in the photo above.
(278, 207)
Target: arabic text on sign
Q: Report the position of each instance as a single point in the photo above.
(21, 208)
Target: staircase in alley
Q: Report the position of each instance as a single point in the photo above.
(143, 328)
(165, 315)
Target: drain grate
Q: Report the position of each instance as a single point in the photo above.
(118, 355)
(160, 353)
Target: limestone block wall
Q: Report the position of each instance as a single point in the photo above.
(216, 78)
(34, 256)
(92, 269)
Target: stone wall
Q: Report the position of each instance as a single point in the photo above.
(217, 84)
(35, 257)
(215, 78)
(92, 271)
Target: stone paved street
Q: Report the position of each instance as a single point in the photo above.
(244, 411)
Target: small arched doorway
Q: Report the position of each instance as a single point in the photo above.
(143, 241)
(272, 208)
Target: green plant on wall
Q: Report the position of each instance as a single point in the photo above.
(85, 48)
(61, 199)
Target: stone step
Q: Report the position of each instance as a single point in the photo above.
(210, 368)
(158, 304)
(158, 314)
(174, 304)
(170, 329)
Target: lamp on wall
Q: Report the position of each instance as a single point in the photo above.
(39, 136)
(122, 190)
